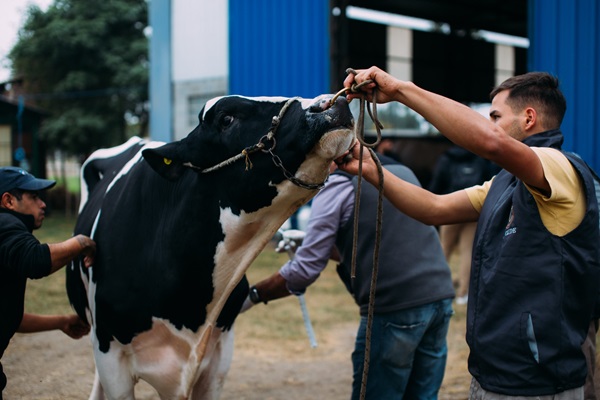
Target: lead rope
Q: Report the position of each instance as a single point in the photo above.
(360, 135)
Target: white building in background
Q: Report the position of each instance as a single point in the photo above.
(200, 51)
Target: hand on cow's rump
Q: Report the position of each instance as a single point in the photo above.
(75, 327)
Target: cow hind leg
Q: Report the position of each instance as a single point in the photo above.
(97, 391)
(115, 380)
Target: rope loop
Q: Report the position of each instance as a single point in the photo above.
(265, 139)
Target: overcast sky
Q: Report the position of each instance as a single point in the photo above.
(12, 17)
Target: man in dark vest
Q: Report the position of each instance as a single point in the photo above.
(535, 266)
(413, 298)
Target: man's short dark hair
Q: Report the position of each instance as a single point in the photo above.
(537, 89)
(18, 193)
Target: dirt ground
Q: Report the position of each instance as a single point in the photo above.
(51, 366)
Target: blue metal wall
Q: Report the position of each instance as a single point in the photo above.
(161, 102)
(279, 47)
(565, 41)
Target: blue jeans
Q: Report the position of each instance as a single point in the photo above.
(408, 353)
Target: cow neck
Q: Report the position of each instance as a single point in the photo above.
(266, 144)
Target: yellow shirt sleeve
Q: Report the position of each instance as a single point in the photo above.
(477, 194)
(564, 209)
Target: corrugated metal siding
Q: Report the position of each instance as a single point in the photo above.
(279, 48)
(565, 41)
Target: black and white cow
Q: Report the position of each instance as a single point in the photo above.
(178, 224)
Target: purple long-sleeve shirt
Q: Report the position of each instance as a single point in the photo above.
(331, 208)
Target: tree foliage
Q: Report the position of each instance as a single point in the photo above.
(86, 63)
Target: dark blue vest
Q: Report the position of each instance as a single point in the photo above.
(532, 294)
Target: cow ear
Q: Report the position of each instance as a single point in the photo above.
(165, 161)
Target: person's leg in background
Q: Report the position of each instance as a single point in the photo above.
(429, 364)
(449, 238)
(465, 249)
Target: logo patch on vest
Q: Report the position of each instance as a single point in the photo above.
(510, 230)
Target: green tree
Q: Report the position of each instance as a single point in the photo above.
(86, 63)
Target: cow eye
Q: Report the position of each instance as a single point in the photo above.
(226, 121)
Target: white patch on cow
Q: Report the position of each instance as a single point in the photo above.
(91, 296)
(134, 160)
(107, 153)
(210, 103)
(103, 153)
(91, 290)
(157, 357)
(95, 224)
(113, 370)
(245, 237)
(332, 145)
(88, 283)
(306, 103)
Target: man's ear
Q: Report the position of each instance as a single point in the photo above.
(165, 160)
(531, 118)
(7, 200)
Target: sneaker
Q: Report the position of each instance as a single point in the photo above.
(462, 300)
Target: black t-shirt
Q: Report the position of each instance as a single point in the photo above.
(22, 256)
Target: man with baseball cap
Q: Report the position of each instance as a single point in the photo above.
(22, 256)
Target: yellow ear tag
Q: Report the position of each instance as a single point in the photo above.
(167, 161)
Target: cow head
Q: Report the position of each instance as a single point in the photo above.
(235, 133)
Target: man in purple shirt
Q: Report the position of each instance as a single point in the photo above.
(413, 300)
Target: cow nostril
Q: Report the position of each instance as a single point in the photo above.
(321, 105)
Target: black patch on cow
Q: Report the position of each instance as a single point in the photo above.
(233, 305)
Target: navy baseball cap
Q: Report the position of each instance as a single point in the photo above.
(17, 178)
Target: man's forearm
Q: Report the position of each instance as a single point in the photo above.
(274, 287)
(63, 252)
(38, 323)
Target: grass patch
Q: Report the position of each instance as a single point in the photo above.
(73, 183)
(327, 301)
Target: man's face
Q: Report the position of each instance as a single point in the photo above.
(502, 115)
(31, 204)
